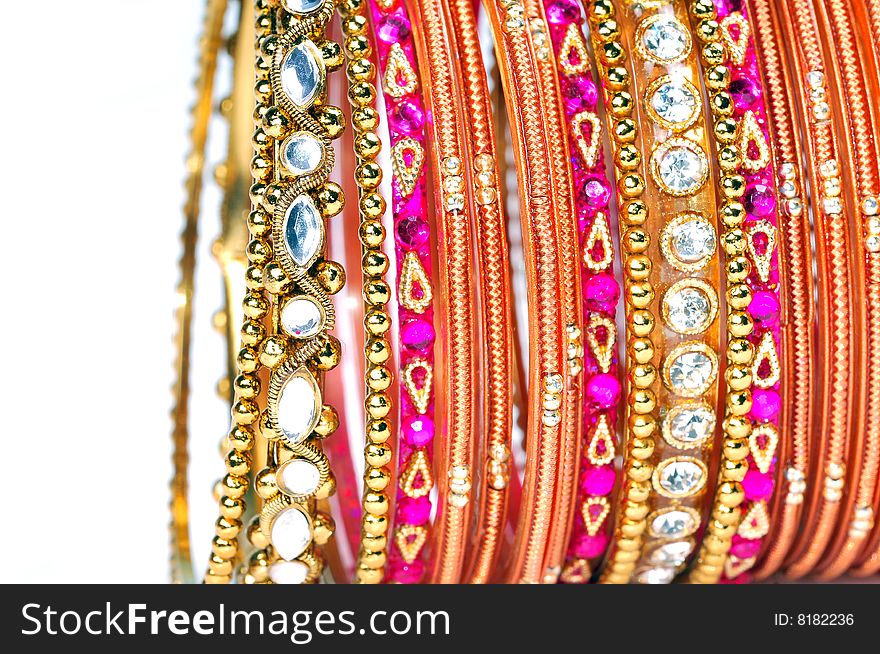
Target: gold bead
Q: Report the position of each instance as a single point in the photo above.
(733, 186)
(372, 205)
(628, 157)
(323, 528)
(365, 119)
(329, 356)
(220, 567)
(225, 549)
(644, 375)
(358, 46)
(713, 54)
(601, 9)
(367, 576)
(625, 131)
(273, 351)
(736, 449)
(621, 103)
(253, 278)
(738, 269)
(265, 483)
(738, 377)
(739, 403)
(331, 276)
(378, 431)
(377, 350)
(739, 296)
(241, 438)
(375, 524)
(376, 504)
(734, 470)
(368, 175)
(330, 199)
(328, 422)
(255, 305)
(642, 448)
(378, 406)
(331, 119)
(238, 463)
(369, 145)
(738, 426)
(611, 52)
(740, 351)
(245, 412)
(636, 240)
(374, 263)
(638, 267)
(740, 323)
(252, 332)
(377, 479)
(247, 386)
(733, 214)
(640, 470)
(327, 489)
(631, 528)
(638, 491)
(247, 359)
(256, 537)
(642, 426)
(608, 30)
(275, 123)
(643, 400)
(232, 508)
(362, 94)
(642, 350)
(618, 77)
(227, 529)
(360, 69)
(374, 543)
(259, 223)
(640, 294)
(641, 322)
(275, 279)
(377, 322)
(372, 233)
(636, 510)
(734, 242)
(378, 378)
(729, 158)
(730, 493)
(235, 487)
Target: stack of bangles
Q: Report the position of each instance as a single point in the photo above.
(541, 291)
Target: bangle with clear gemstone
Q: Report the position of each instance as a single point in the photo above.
(413, 231)
(589, 528)
(839, 341)
(287, 337)
(676, 239)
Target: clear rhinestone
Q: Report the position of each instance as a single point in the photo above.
(303, 230)
(815, 78)
(870, 206)
(688, 310)
(301, 74)
(691, 425)
(302, 317)
(874, 225)
(829, 169)
(673, 524)
(788, 189)
(302, 153)
(674, 102)
(690, 372)
(873, 243)
(787, 170)
(666, 40)
(693, 240)
(302, 7)
(671, 554)
(821, 111)
(299, 477)
(288, 572)
(832, 205)
(291, 533)
(681, 170)
(656, 576)
(680, 478)
(795, 207)
(298, 406)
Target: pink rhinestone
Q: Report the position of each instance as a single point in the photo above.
(413, 231)
(603, 390)
(560, 12)
(414, 510)
(418, 430)
(765, 404)
(598, 481)
(393, 29)
(407, 573)
(764, 308)
(601, 293)
(757, 485)
(745, 92)
(745, 548)
(417, 335)
(408, 117)
(589, 547)
(597, 192)
(579, 93)
(759, 200)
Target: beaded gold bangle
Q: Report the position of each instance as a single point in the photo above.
(614, 65)
(798, 340)
(362, 94)
(181, 555)
(455, 215)
(861, 180)
(289, 334)
(837, 339)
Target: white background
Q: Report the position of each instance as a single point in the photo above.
(93, 135)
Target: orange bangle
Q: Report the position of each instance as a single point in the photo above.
(837, 345)
(455, 376)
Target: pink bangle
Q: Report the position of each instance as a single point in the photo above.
(762, 236)
(413, 236)
(600, 292)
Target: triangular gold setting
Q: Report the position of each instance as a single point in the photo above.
(762, 446)
(407, 158)
(409, 540)
(417, 469)
(735, 566)
(400, 78)
(752, 143)
(762, 257)
(756, 523)
(594, 511)
(573, 56)
(602, 348)
(598, 243)
(600, 451)
(413, 277)
(419, 394)
(576, 571)
(765, 367)
(735, 31)
(587, 144)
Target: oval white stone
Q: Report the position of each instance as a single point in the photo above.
(302, 7)
(303, 230)
(299, 477)
(291, 533)
(693, 240)
(690, 373)
(302, 153)
(672, 554)
(302, 317)
(298, 405)
(691, 425)
(656, 576)
(673, 524)
(302, 74)
(288, 572)
(688, 310)
(681, 478)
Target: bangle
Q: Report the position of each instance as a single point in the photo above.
(361, 70)
(599, 291)
(181, 555)
(860, 185)
(836, 343)
(494, 288)
(797, 338)
(456, 254)
(413, 236)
